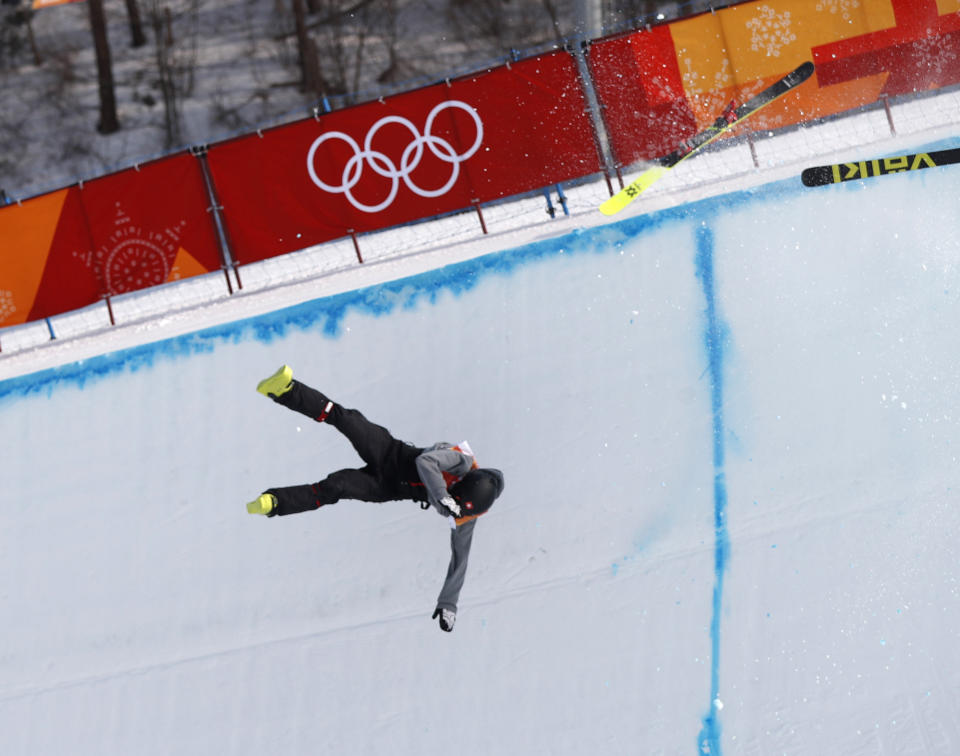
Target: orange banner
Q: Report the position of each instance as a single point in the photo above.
(37, 278)
(38, 4)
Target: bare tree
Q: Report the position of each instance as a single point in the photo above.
(166, 70)
(109, 123)
(13, 23)
(392, 72)
(137, 37)
(504, 25)
(311, 77)
(554, 14)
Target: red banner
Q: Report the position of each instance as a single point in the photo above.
(638, 82)
(150, 225)
(434, 150)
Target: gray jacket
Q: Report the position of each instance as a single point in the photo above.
(431, 465)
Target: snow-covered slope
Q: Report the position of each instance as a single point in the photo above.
(729, 435)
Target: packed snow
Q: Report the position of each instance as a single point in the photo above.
(727, 422)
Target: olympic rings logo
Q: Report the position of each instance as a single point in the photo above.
(382, 165)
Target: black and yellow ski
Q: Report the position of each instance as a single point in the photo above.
(861, 169)
(731, 116)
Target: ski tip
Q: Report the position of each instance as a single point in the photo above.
(801, 73)
(819, 176)
(610, 207)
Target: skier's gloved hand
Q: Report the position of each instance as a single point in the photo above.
(450, 504)
(447, 618)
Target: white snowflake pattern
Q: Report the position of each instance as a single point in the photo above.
(932, 59)
(843, 7)
(7, 306)
(692, 79)
(709, 98)
(770, 31)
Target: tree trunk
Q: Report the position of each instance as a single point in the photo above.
(137, 37)
(312, 79)
(108, 103)
(166, 72)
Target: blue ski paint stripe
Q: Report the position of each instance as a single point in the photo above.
(715, 338)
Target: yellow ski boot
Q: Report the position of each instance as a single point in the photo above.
(277, 384)
(264, 504)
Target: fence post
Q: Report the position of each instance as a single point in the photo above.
(356, 245)
(601, 137)
(483, 224)
(886, 107)
(214, 208)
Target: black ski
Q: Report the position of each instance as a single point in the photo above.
(839, 172)
(730, 117)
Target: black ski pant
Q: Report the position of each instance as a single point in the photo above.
(390, 465)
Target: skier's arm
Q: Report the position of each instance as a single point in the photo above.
(461, 537)
(431, 465)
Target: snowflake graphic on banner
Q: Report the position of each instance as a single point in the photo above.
(711, 96)
(770, 31)
(132, 257)
(843, 7)
(7, 307)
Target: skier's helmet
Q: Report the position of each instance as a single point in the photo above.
(477, 490)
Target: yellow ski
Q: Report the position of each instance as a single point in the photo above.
(697, 142)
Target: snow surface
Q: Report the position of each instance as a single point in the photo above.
(729, 434)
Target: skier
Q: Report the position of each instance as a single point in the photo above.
(442, 476)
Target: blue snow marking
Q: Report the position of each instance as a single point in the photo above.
(715, 338)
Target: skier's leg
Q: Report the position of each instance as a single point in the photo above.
(371, 441)
(306, 400)
(343, 484)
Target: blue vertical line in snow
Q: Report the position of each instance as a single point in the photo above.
(715, 336)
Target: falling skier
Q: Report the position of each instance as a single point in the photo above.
(443, 476)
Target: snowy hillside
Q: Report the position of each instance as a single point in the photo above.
(729, 436)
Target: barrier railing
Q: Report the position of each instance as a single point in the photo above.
(505, 131)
